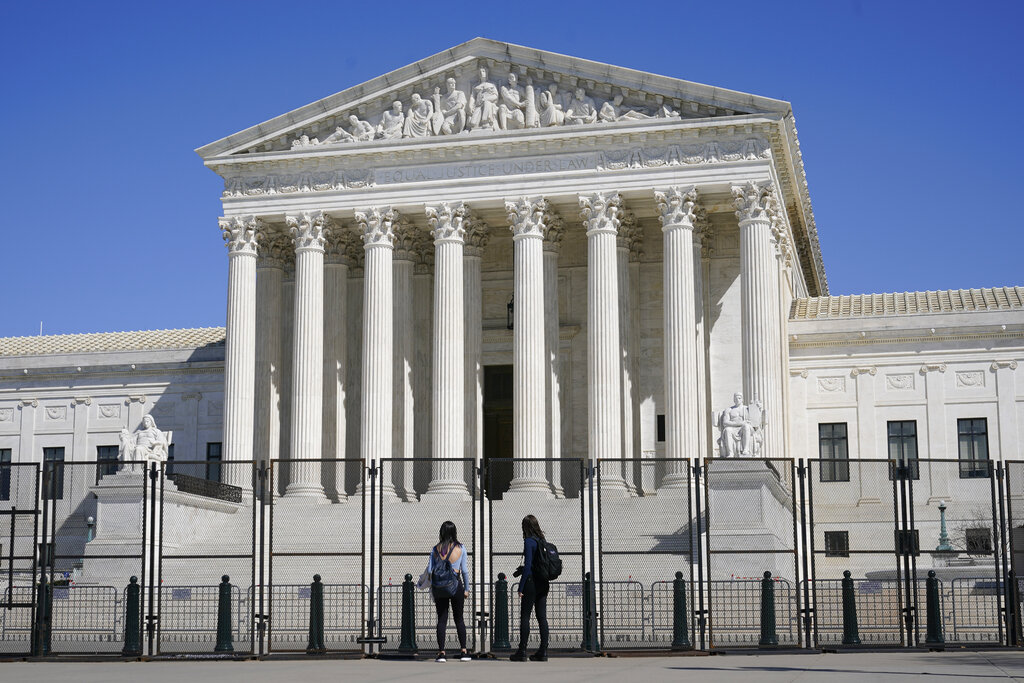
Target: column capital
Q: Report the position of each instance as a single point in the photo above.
(676, 207)
(755, 201)
(342, 246)
(275, 250)
(241, 233)
(526, 217)
(424, 254)
(554, 229)
(478, 234)
(376, 224)
(600, 212)
(309, 230)
(630, 235)
(703, 233)
(405, 239)
(446, 222)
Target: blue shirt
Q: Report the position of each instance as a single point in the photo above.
(530, 549)
(460, 565)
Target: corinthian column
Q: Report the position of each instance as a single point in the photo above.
(477, 236)
(600, 214)
(554, 230)
(340, 255)
(757, 209)
(448, 406)
(627, 251)
(241, 235)
(682, 344)
(403, 430)
(526, 217)
(376, 414)
(308, 231)
(274, 251)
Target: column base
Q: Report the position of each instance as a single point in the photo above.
(448, 488)
(387, 492)
(530, 485)
(306, 492)
(676, 480)
(613, 485)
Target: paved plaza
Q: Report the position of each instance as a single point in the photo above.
(904, 666)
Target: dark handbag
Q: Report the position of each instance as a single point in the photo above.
(444, 582)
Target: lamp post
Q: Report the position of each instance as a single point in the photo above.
(944, 545)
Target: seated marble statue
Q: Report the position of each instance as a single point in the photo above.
(392, 123)
(450, 111)
(581, 109)
(147, 444)
(418, 120)
(550, 112)
(483, 104)
(512, 110)
(740, 428)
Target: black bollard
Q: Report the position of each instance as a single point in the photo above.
(44, 612)
(680, 633)
(315, 646)
(500, 641)
(224, 637)
(768, 637)
(851, 636)
(132, 633)
(589, 614)
(408, 642)
(934, 632)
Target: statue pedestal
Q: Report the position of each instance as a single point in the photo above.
(750, 509)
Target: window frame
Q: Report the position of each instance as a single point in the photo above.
(831, 550)
(57, 476)
(6, 456)
(837, 469)
(973, 467)
(104, 464)
(902, 440)
(214, 462)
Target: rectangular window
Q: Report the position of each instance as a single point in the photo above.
(53, 473)
(5, 473)
(837, 544)
(660, 428)
(213, 461)
(978, 541)
(903, 447)
(835, 458)
(972, 440)
(908, 544)
(106, 461)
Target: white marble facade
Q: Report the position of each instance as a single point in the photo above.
(657, 236)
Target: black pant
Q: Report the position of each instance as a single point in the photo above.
(535, 598)
(458, 601)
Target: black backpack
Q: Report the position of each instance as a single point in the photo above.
(443, 580)
(547, 565)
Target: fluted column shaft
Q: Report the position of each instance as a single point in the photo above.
(335, 364)
(627, 242)
(308, 234)
(472, 287)
(553, 431)
(682, 343)
(528, 358)
(375, 408)
(269, 283)
(759, 301)
(604, 349)
(404, 416)
(240, 233)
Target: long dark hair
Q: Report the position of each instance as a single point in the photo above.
(448, 535)
(531, 527)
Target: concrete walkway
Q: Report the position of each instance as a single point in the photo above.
(965, 666)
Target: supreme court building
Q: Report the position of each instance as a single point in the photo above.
(504, 253)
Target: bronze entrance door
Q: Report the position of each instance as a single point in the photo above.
(498, 424)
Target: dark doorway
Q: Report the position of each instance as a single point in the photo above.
(498, 426)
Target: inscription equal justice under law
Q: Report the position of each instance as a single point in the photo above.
(412, 174)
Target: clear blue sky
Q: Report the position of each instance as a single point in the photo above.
(908, 114)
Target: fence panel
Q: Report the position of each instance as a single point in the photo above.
(645, 536)
(209, 517)
(20, 519)
(314, 532)
(751, 523)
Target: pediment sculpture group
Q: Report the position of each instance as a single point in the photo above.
(487, 107)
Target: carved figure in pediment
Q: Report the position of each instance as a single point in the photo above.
(531, 116)
(612, 111)
(304, 141)
(392, 122)
(512, 110)
(360, 131)
(551, 113)
(483, 104)
(451, 109)
(418, 120)
(581, 109)
(667, 112)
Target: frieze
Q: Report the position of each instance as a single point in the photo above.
(56, 413)
(110, 410)
(901, 382)
(6, 414)
(970, 379)
(832, 385)
(712, 152)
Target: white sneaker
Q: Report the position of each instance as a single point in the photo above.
(440, 658)
(465, 657)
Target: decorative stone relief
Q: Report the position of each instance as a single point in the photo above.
(446, 221)
(997, 364)
(630, 236)
(676, 206)
(6, 414)
(970, 379)
(241, 233)
(526, 216)
(275, 250)
(554, 229)
(309, 230)
(901, 382)
(755, 201)
(477, 234)
(832, 385)
(343, 246)
(110, 410)
(214, 408)
(56, 413)
(377, 225)
(600, 212)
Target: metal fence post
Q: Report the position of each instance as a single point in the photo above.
(680, 634)
(851, 636)
(500, 641)
(132, 634)
(589, 620)
(44, 611)
(934, 632)
(224, 638)
(768, 636)
(315, 646)
(408, 642)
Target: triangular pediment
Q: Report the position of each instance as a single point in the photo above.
(487, 87)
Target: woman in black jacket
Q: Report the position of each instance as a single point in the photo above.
(533, 592)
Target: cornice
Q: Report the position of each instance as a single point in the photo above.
(802, 341)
